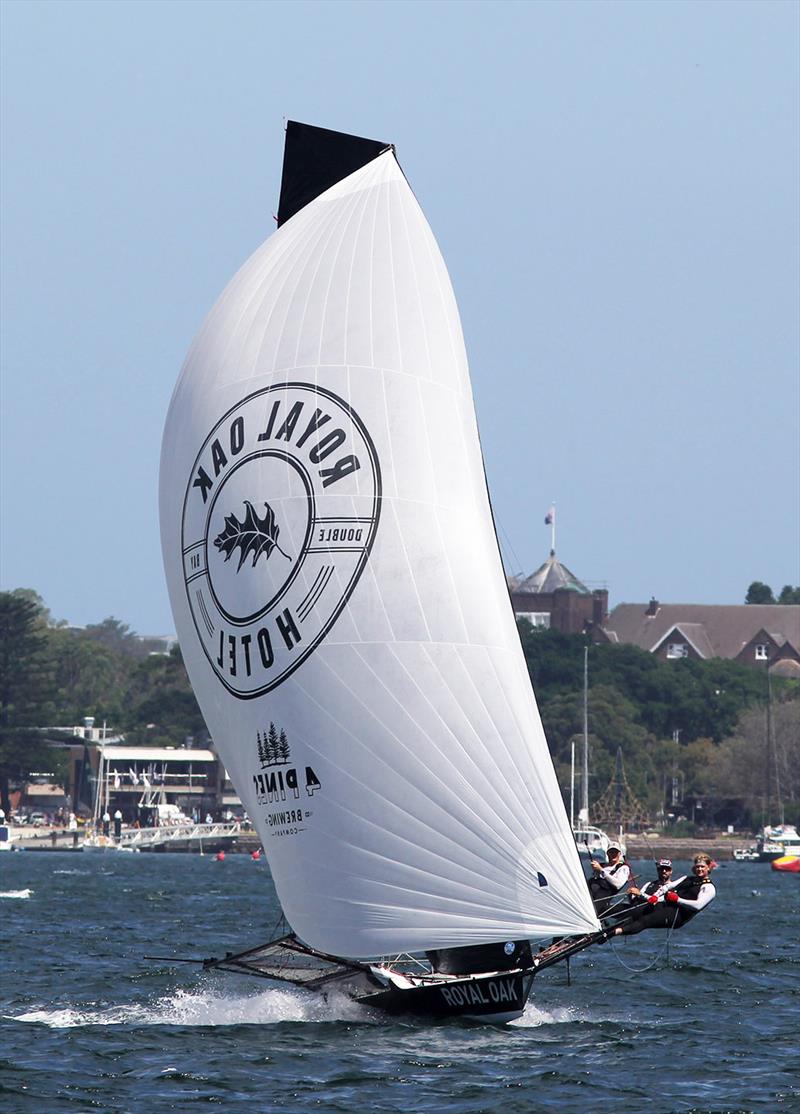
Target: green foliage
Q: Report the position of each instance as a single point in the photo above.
(160, 706)
(25, 685)
(759, 592)
(696, 699)
(672, 719)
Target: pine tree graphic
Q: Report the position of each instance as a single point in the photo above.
(263, 756)
(272, 745)
(283, 747)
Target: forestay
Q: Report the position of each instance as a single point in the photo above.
(339, 597)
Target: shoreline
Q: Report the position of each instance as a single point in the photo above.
(720, 847)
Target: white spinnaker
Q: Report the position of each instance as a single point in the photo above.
(438, 821)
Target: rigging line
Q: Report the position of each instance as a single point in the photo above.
(642, 970)
(507, 543)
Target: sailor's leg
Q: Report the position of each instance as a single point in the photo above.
(661, 916)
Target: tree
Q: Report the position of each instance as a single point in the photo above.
(160, 705)
(789, 594)
(764, 775)
(25, 688)
(759, 592)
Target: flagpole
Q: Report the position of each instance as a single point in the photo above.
(553, 530)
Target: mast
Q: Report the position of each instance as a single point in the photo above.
(584, 813)
(772, 763)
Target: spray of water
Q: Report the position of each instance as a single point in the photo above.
(207, 1007)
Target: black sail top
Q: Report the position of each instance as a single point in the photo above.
(314, 159)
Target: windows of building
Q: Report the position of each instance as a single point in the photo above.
(677, 650)
(539, 619)
(762, 651)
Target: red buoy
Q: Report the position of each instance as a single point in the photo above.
(220, 856)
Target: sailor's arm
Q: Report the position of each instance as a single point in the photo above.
(619, 877)
(707, 894)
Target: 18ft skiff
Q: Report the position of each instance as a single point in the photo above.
(342, 608)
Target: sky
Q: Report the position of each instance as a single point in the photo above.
(615, 188)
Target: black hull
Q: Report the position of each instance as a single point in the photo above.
(496, 997)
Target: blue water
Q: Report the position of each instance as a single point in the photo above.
(709, 1023)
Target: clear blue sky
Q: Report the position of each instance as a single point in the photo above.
(614, 187)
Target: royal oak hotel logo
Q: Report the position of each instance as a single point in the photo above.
(279, 517)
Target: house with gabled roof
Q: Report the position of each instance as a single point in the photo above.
(765, 636)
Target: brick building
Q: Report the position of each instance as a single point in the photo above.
(553, 597)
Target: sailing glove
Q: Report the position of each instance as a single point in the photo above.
(671, 897)
(652, 899)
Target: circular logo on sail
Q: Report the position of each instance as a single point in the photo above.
(279, 518)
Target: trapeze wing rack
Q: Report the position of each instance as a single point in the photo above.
(287, 959)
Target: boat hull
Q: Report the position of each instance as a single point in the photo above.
(787, 864)
(496, 998)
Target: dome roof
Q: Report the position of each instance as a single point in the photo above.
(550, 576)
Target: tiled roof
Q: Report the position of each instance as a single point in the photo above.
(726, 628)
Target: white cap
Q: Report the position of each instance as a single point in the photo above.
(614, 847)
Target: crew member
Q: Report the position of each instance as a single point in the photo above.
(607, 881)
(676, 907)
(658, 886)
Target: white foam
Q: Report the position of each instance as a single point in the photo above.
(16, 893)
(205, 1007)
(535, 1016)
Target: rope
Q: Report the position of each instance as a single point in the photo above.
(652, 963)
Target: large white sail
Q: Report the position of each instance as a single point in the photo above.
(339, 597)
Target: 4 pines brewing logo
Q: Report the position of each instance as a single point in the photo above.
(279, 517)
(280, 783)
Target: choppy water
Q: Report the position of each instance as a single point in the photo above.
(710, 1024)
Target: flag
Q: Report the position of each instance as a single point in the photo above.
(145, 781)
(550, 517)
(116, 780)
(133, 776)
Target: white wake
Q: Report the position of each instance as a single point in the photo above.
(205, 1007)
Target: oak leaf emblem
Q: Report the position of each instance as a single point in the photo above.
(252, 535)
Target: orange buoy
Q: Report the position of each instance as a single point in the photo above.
(220, 856)
(789, 864)
(256, 854)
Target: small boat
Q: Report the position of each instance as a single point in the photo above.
(745, 854)
(7, 837)
(343, 614)
(787, 864)
(777, 841)
(593, 843)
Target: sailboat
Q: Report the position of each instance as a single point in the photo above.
(342, 610)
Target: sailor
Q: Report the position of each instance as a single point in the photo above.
(678, 904)
(657, 886)
(117, 825)
(106, 823)
(607, 881)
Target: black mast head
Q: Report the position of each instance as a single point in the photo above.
(314, 159)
